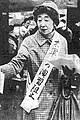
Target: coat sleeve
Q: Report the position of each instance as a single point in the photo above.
(17, 63)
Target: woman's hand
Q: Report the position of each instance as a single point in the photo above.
(74, 77)
(68, 72)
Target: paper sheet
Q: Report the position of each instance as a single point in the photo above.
(71, 61)
(1, 82)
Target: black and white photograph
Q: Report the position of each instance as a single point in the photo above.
(39, 59)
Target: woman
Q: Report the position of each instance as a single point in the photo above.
(32, 52)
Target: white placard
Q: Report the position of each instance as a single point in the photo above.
(1, 82)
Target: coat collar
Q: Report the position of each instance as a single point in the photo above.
(40, 39)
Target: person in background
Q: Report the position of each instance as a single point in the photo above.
(75, 27)
(12, 41)
(27, 21)
(64, 30)
(23, 32)
(30, 25)
(32, 53)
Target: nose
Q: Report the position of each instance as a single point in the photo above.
(42, 23)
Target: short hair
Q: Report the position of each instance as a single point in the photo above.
(49, 8)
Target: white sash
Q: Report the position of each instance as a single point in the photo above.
(31, 99)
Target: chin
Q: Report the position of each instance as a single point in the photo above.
(45, 33)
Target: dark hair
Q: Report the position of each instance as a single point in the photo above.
(26, 19)
(48, 10)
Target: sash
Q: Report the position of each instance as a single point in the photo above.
(31, 99)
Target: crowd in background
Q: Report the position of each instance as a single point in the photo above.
(18, 32)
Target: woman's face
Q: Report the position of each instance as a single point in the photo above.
(45, 24)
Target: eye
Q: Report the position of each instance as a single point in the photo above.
(39, 19)
(46, 20)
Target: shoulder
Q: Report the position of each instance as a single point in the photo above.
(60, 37)
(30, 40)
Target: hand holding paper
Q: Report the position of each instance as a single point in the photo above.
(71, 61)
(1, 82)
